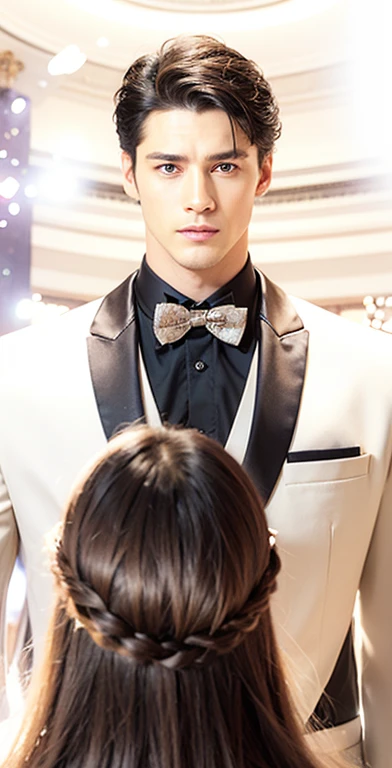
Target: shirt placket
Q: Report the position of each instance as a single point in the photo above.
(201, 373)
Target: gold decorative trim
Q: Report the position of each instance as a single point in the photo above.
(10, 67)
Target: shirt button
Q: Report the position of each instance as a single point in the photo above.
(199, 365)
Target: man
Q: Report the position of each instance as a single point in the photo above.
(198, 337)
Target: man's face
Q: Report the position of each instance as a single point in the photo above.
(196, 194)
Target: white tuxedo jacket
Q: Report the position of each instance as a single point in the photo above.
(324, 384)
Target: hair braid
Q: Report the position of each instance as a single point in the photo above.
(112, 632)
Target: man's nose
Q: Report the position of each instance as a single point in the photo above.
(198, 192)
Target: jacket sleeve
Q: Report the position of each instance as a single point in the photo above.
(9, 542)
(376, 624)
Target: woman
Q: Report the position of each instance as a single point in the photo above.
(161, 652)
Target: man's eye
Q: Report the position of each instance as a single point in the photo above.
(226, 167)
(168, 168)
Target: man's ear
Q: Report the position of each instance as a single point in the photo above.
(129, 181)
(265, 176)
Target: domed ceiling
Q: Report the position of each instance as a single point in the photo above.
(284, 36)
(203, 6)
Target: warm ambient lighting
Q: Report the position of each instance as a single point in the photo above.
(18, 105)
(370, 27)
(31, 191)
(9, 187)
(38, 311)
(14, 209)
(69, 146)
(58, 185)
(22, 310)
(139, 14)
(68, 61)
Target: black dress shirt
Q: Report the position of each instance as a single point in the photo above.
(198, 381)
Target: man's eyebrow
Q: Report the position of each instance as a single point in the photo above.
(166, 158)
(231, 154)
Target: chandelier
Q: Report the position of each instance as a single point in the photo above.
(379, 312)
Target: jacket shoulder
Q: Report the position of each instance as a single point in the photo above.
(28, 347)
(362, 348)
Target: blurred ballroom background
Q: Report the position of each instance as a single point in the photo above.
(69, 234)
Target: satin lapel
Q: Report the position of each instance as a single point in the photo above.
(284, 343)
(113, 359)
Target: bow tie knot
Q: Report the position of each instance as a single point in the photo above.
(173, 321)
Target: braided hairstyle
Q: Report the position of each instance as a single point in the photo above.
(115, 633)
(153, 481)
(161, 651)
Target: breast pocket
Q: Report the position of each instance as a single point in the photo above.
(328, 471)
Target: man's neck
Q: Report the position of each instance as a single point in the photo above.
(196, 285)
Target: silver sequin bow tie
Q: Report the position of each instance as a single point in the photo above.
(173, 321)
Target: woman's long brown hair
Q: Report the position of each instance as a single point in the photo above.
(161, 652)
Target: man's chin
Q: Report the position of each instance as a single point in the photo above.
(199, 265)
(199, 258)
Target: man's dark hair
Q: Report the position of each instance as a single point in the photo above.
(197, 73)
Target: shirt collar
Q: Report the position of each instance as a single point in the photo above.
(150, 290)
(244, 290)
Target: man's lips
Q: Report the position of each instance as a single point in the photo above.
(198, 233)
